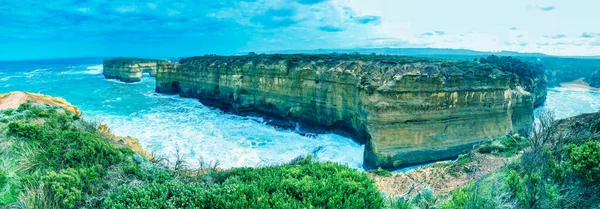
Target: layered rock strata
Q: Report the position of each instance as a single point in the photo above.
(129, 70)
(406, 110)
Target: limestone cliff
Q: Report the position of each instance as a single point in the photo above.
(129, 69)
(406, 110)
(15, 99)
(127, 141)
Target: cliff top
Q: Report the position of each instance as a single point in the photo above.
(127, 60)
(15, 99)
(370, 64)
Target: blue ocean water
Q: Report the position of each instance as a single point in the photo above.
(164, 123)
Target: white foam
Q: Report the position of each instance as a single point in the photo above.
(89, 70)
(9, 77)
(235, 141)
(94, 70)
(568, 102)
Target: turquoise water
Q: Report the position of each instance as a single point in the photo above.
(164, 123)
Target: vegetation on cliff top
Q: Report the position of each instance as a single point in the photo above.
(118, 61)
(388, 62)
(52, 159)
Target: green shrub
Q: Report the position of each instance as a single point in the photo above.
(25, 130)
(595, 127)
(425, 199)
(399, 203)
(507, 147)
(381, 172)
(79, 149)
(69, 187)
(298, 185)
(155, 195)
(23, 107)
(38, 112)
(585, 160)
(463, 159)
(3, 179)
(8, 112)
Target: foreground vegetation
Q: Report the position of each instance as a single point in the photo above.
(52, 159)
(559, 167)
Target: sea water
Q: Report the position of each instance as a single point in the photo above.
(167, 123)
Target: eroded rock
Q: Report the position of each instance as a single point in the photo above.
(406, 110)
(129, 70)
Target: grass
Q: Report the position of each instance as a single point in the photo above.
(505, 147)
(381, 172)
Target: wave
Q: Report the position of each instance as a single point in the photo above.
(205, 134)
(89, 70)
(94, 69)
(9, 77)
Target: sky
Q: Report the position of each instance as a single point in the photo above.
(167, 28)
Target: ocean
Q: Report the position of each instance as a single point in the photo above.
(167, 123)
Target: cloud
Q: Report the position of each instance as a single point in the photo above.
(516, 43)
(558, 36)
(309, 2)
(426, 34)
(330, 29)
(370, 19)
(436, 33)
(546, 9)
(587, 35)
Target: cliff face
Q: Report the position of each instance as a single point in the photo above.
(129, 69)
(406, 110)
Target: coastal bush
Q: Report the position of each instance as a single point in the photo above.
(398, 203)
(67, 187)
(585, 160)
(595, 127)
(63, 163)
(526, 70)
(381, 172)
(67, 163)
(25, 130)
(23, 107)
(425, 199)
(3, 179)
(77, 149)
(8, 112)
(300, 184)
(560, 170)
(506, 147)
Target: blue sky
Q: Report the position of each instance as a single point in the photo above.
(76, 28)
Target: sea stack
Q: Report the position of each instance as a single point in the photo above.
(129, 70)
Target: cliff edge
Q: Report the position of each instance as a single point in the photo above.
(14, 99)
(406, 110)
